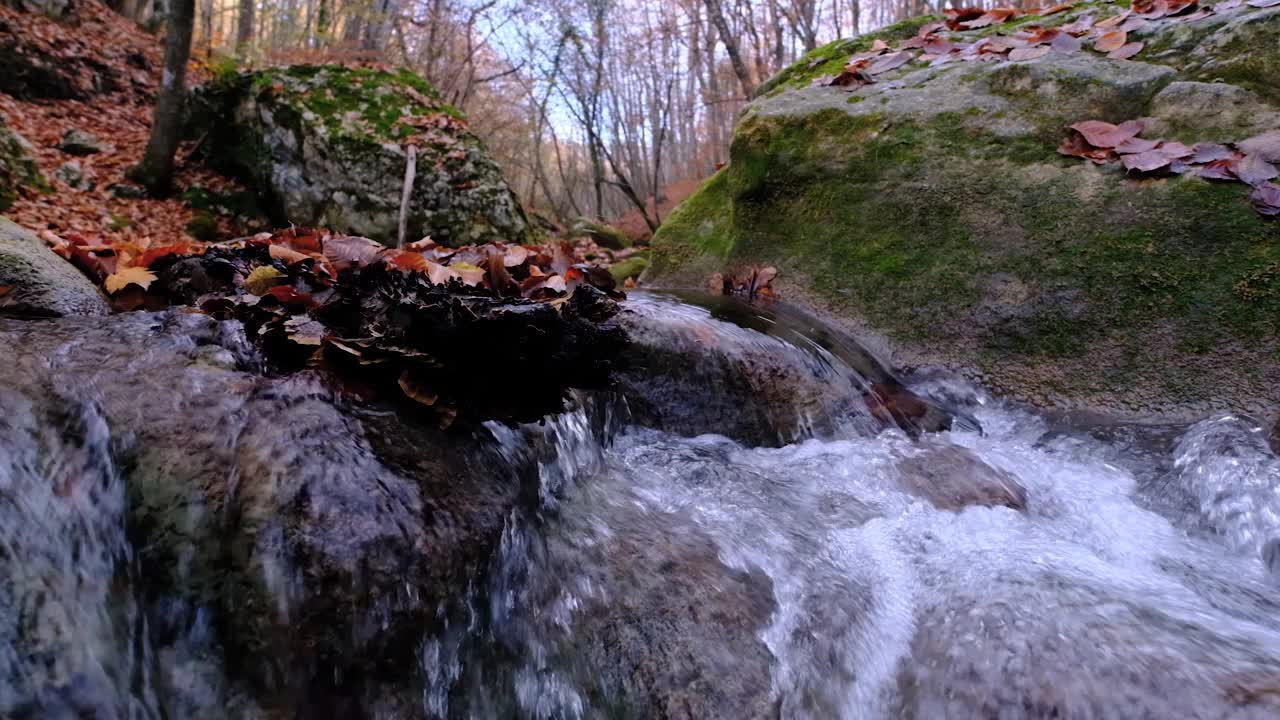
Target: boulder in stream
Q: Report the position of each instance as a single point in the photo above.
(35, 282)
(327, 145)
(931, 208)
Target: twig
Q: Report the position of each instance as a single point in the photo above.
(410, 169)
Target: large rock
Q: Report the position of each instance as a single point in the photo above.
(930, 210)
(38, 283)
(327, 144)
(17, 166)
(182, 536)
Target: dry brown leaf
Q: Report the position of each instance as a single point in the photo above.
(889, 62)
(1219, 170)
(1056, 9)
(991, 17)
(1266, 199)
(1030, 53)
(516, 255)
(1104, 134)
(1208, 152)
(288, 255)
(1146, 162)
(1126, 51)
(1253, 170)
(469, 274)
(351, 251)
(1066, 43)
(1110, 41)
(128, 276)
(1136, 145)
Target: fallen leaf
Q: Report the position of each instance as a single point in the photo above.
(1208, 152)
(1136, 145)
(889, 62)
(1265, 146)
(1126, 51)
(1110, 41)
(1197, 15)
(1176, 150)
(1114, 20)
(154, 254)
(469, 274)
(290, 296)
(262, 279)
(1104, 134)
(1266, 199)
(1080, 26)
(991, 17)
(1253, 170)
(516, 255)
(1066, 43)
(1146, 162)
(1076, 146)
(1219, 170)
(128, 276)
(1056, 9)
(1263, 3)
(879, 46)
(1029, 53)
(288, 255)
(957, 16)
(416, 389)
(351, 251)
(936, 45)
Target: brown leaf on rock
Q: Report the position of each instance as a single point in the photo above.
(1145, 162)
(956, 16)
(1126, 51)
(1066, 43)
(1076, 146)
(1104, 134)
(936, 45)
(1029, 53)
(1110, 41)
(889, 62)
(1113, 21)
(1054, 10)
(991, 17)
(351, 251)
(1174, 7)
(1253, 170)
(117, 281)
(516, 255)
(1266, 199)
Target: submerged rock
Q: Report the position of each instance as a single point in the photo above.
(327, 145)
(269, 546)
(931, 207)
(951, 477)
(36, 282)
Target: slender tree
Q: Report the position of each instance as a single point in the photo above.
(155, 172)
(244, 26)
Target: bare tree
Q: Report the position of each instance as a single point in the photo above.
(155, 172)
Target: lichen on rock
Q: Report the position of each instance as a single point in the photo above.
(328, 146)
(17, 166)
(930, 208)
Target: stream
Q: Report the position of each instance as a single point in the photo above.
(1019, 565)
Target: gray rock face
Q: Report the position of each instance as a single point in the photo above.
(17, 166)
(79, 142)
(39, 283)
(74, 175)
(328, 144)
(265, 544)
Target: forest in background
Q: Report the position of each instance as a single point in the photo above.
(592, 107)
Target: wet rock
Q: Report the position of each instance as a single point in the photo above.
(74, 175)
(326, 145)
(951, 477)
(79, 142)
(287, 547)
(128, 191)
(18, 167)
(38, 283)
(604, 235)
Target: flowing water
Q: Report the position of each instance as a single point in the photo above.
(1018, 565)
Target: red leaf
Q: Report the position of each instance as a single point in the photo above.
(290, 296)
(1208, 152)
(1110, 41)
(1253, 170)
(1176, 150)
(1219, 170)
(1126, 51)
(154, 254)
(991, 17)
(1266, 199)
(1077, 146)
(1145, 162)
(889, 62)
(1136, 145)
(1104, 134)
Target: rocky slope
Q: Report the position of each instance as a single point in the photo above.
(328, 144)
(931, 209)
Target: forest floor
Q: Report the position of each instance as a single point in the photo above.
(93, 35)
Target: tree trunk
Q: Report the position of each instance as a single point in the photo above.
(244, 28)
(716, 15)
(155, 172)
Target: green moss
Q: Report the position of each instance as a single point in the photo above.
(203, 227)
(118, 222)
(629, 268)
(697, 233)
(603, 234)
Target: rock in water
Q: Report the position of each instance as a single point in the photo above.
(327, 145)
(17, 166)
(931, 207)
(35, 282)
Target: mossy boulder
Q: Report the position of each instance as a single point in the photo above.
(327, 145)
(604, 235)
(931, 209)
(17, 166)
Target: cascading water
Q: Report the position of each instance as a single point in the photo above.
(1018, 565)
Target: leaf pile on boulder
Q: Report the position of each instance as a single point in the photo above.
(444, 327)
(1251, 161)
(935, 44)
